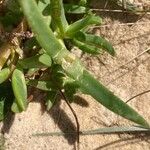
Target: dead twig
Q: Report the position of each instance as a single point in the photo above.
(120, 24)
(141, 12)
(75, 116)
(137, 95)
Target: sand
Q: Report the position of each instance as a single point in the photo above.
(126, 81)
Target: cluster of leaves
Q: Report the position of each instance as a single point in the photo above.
(38, 55)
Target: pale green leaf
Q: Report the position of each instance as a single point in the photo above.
(19, 89)
(81, 24)
(38, 61)
(42, 85)
(4, 74)
(75, 9)
(96, 41)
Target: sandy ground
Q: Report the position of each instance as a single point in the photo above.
(127, 81)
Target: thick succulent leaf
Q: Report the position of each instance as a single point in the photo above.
(19, 89)
(44, 7)
(46, 60)
(4, 74)
(42, 85)
(56, 81)
(6, 99)
(86, 48)
(50, 99)
(15, 107)
(81, 24)
(58, 15)
(89, 85)
(38, 61)
(96, 41)
(42, 4)
(75, 9)
(92, 87)
(70, 89)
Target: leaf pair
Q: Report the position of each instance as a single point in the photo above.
(92, 44)
(87, 42)
(82, 24)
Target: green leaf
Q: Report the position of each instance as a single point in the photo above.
(46, 60)
(58, 15)
(86, 48)
(15, 107)
(19, 89)
(44, 7)
(50, 99)
(96, 41)
(57, 75)
(42, 4)
(81, 24)
(42, 85)
(4, 74)
(70, 88)
(75, 9)
(38, 61)
(92, 87)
